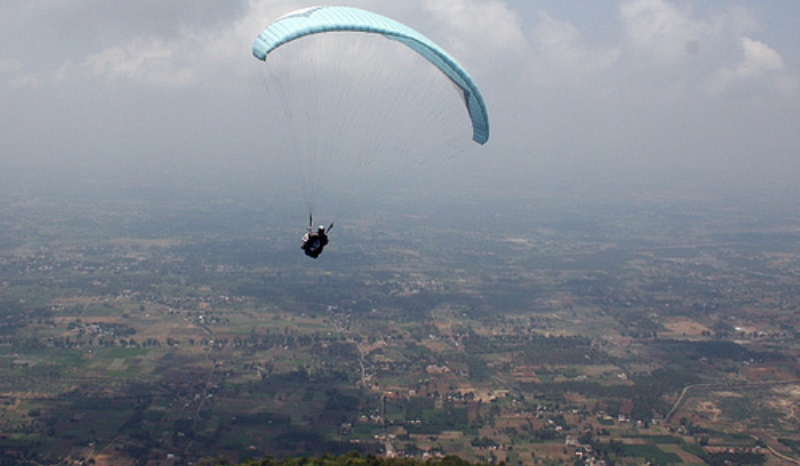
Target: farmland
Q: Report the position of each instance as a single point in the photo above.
(136, 334)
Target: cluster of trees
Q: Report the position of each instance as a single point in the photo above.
(648, 394)
(349, 459)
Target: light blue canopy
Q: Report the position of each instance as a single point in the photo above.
(320, 19)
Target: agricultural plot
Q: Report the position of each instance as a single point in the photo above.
(563, 346)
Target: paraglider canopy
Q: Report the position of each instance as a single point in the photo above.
(323, 19)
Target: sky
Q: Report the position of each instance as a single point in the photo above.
(620, 94)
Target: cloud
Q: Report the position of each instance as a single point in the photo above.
(560, 49)
(478, 27)
(26, 80)
(711, 52)
(12, 71)
(663, 30)
(759, 58)
(758, 61)
(15, 76)
(190, 56)
(9, 66)
(149, 61)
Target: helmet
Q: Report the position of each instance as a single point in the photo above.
(321, 228)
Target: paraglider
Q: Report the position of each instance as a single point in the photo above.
(322, 20)
(315, 242)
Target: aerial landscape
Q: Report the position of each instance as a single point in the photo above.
(665, 334)
(611, 278)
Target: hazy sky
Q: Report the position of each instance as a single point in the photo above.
(659, 92)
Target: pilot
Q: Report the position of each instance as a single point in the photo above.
(315, 242)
